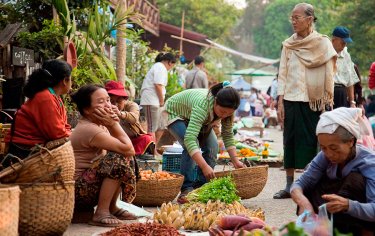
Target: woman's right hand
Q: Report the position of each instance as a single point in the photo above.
(208, 172)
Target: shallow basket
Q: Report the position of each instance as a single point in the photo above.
(40, 164)
(156, 192)
(9, 210)
(249, 181)
(46, 208)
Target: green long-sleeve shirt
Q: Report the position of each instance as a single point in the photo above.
(194, 106)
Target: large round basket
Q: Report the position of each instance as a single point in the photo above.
(156, 192)
(249, 181)
(41, 164)
(9, 210)
(46, 208)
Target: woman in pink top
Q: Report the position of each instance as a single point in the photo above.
(104, 158)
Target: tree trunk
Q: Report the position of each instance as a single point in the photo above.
(121, 44)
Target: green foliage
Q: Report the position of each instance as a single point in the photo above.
(292, 230)
(210, 17)
(222, 189)
(31, 13)
(359, 17)
(173, 86)
(47, 42)
(218, 63)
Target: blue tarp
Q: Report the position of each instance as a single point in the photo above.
(241, 84)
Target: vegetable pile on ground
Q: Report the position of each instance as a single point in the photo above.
(222, 189)
(200, 216)
(159, 175)
(143, 229)
(240, 225)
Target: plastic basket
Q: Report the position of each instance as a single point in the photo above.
(172, 163)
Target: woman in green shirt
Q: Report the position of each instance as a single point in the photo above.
(191, 116)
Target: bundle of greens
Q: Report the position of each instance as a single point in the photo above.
(222, 189)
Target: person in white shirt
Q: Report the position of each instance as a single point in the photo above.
(153, 90)
(345, 76)
(305, 89)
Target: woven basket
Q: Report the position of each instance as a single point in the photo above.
(156, 192)
(46, 208)
(249, 181)
(9, 210)
(41, 164)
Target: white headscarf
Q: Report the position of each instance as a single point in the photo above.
(349, 118)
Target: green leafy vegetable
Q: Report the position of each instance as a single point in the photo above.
(222, 189)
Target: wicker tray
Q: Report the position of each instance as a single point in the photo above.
(9, 210)
(41, 164)
(46, 208)
(156, 192)
(249, 181)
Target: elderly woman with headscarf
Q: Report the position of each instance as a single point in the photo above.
(342, 175)
(305, 89)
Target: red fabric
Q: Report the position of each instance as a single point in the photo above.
(141, 143)
(371, 78)
(41, 119)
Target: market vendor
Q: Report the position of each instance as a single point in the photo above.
(42, 118)
(128, 112)
(103, 157)
(341, 175)
(191, 115)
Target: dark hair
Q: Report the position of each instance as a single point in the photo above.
(82, 97)
(51, 73)
(165, 57)
(226, 97)
(198, 60)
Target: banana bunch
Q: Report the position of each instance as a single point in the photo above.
(200, 216)
(170, 214)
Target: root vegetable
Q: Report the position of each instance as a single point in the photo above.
(257, 220)
(232, 221)
(252, 225)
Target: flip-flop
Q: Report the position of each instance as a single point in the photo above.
(101, 221)
(123, 214)
(282, 194)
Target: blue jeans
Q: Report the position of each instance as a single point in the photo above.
(209, 149)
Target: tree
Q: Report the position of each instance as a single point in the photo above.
(210, 17)
(359, 17)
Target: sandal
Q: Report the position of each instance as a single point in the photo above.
(123, 214)
(282, 194)
(103, 221)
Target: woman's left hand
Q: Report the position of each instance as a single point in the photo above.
(237, 164)
(336, 203)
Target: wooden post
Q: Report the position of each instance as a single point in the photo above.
(182, 32)
(121, 44)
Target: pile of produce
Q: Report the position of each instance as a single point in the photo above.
(236, 225)
(159, 175)
(242, 153)
(143, 229)
(200, 216)
(222, 189)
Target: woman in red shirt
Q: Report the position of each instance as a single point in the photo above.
(42, 117)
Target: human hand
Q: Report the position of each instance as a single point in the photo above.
(352, 105)
(336, 203)
(116, 110)
(238, 164)
(208, 172)
(280, 112)
(105, 116)
(305, 205)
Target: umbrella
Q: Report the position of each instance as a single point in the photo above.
(252, 72)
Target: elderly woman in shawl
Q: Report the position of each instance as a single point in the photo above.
(305, 89)
(341, 175)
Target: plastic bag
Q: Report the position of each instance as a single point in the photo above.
(316, 225)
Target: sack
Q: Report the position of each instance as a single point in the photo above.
(316, 225)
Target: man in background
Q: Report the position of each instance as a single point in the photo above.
(345, 76)
(197, 78)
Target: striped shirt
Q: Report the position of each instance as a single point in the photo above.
(193, 106)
